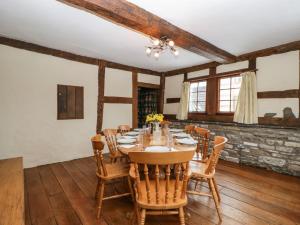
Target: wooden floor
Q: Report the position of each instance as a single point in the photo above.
(62, 194)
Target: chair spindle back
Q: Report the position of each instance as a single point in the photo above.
(219, 143)
(189, 129)
(123, 129)
(162, 176)
(98, 147)
(111, 139)
(202, 136)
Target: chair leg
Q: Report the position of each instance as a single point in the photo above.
(97, 189)
(217, 189)
(215, 197)
(143, 217)
(133, 199)
(102, 184)
(181, 216)
(197, 181)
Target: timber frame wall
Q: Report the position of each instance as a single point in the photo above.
(212, 78)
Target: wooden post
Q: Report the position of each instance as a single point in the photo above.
(162, 92)
(212, 92)
(101, 83)
(134, 99)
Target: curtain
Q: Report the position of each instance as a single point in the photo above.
(183, 110)
(246, 109)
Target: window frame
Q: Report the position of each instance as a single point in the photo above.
(199, 112)
(219, 97)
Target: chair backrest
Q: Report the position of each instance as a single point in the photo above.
(165, 123)
(219, 143)
(124, 128)
(189, 129)
(111, 140)
(98, 147)
(202, 135)
(168, 188)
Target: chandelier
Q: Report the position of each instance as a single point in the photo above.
(158, 46)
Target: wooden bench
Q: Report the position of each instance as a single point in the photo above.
(11, 192)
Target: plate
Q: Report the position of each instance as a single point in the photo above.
(186, 141)
(132, 133)
(126, 141)
(181, 135)
(176, 130)
(127, 137)
(157, 149)
(138, 129)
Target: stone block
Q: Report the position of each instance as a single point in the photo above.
(292, 144)
(274, 142)
(250, 144)
(264, 146)
(284, 149)
(272, 161)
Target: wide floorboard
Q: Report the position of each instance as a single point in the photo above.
(63, 194)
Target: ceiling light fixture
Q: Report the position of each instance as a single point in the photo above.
(158, 46)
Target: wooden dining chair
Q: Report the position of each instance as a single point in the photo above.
(165, 123)
(206, 171)
(111, 140)
(189, 129)
(107, 172)
(123, 129)
(202, 136)
(164, 192)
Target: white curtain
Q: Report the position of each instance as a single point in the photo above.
(246, 109)
(183, 110)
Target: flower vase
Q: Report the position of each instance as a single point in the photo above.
(156, 133)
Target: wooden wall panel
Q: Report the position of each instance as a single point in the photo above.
(162, 93)
(134, 99)
(294, 93)
(101, 83)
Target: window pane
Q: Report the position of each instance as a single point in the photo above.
(201, 107)
(224, 106)
(193, 96)
(193, 87)
(202, 86)
(233, 106)
(235, 94)
(224, 94)
(202, 96)
(224, 83)
(236, 82)
(193, 106)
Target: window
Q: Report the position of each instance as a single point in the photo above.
(197, 101)
(229, 89)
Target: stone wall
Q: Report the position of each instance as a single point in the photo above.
(269, 147)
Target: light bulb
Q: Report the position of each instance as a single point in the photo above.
(156, 42)
(148, 51)
(171, 43)
(156, 55)
(176, 53)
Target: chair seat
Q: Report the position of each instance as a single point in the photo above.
(115, 170)
(117, 155)
(198, 170)
(162, 205)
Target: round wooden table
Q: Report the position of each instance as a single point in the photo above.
(149, 141)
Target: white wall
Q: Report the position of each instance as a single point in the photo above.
(173, 87)
(232, 66)
(146, 78)
(118, 83)
(198, 73)
(28, 112)
(277, 73)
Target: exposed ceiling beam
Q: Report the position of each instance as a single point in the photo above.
(192, 69)
(131, 16)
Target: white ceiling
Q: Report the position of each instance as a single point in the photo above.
(234, 25)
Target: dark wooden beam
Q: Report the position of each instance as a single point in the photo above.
(162, 93)
(212, 92)
(117, 100)
(192, 69)
(134, 99)
(173, 100)
(101, 83)
(252, 64)
(71, 56)
(148, 85)
(129, 15)
(299, 86)
(294, 93)
(292, 46)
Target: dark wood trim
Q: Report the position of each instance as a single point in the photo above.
(135, 18)
(162, 93)
(173, 100)
(70, 56)
(294, 93)
(252, 64)
(101, 86)
(279, 122)
(185, 77)
(148, 85)
(299, 86)
(234, 72)
(212, 92)
(292, 46)
(119, 66)
(191, 69)
(134, 99)
(118, 100)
